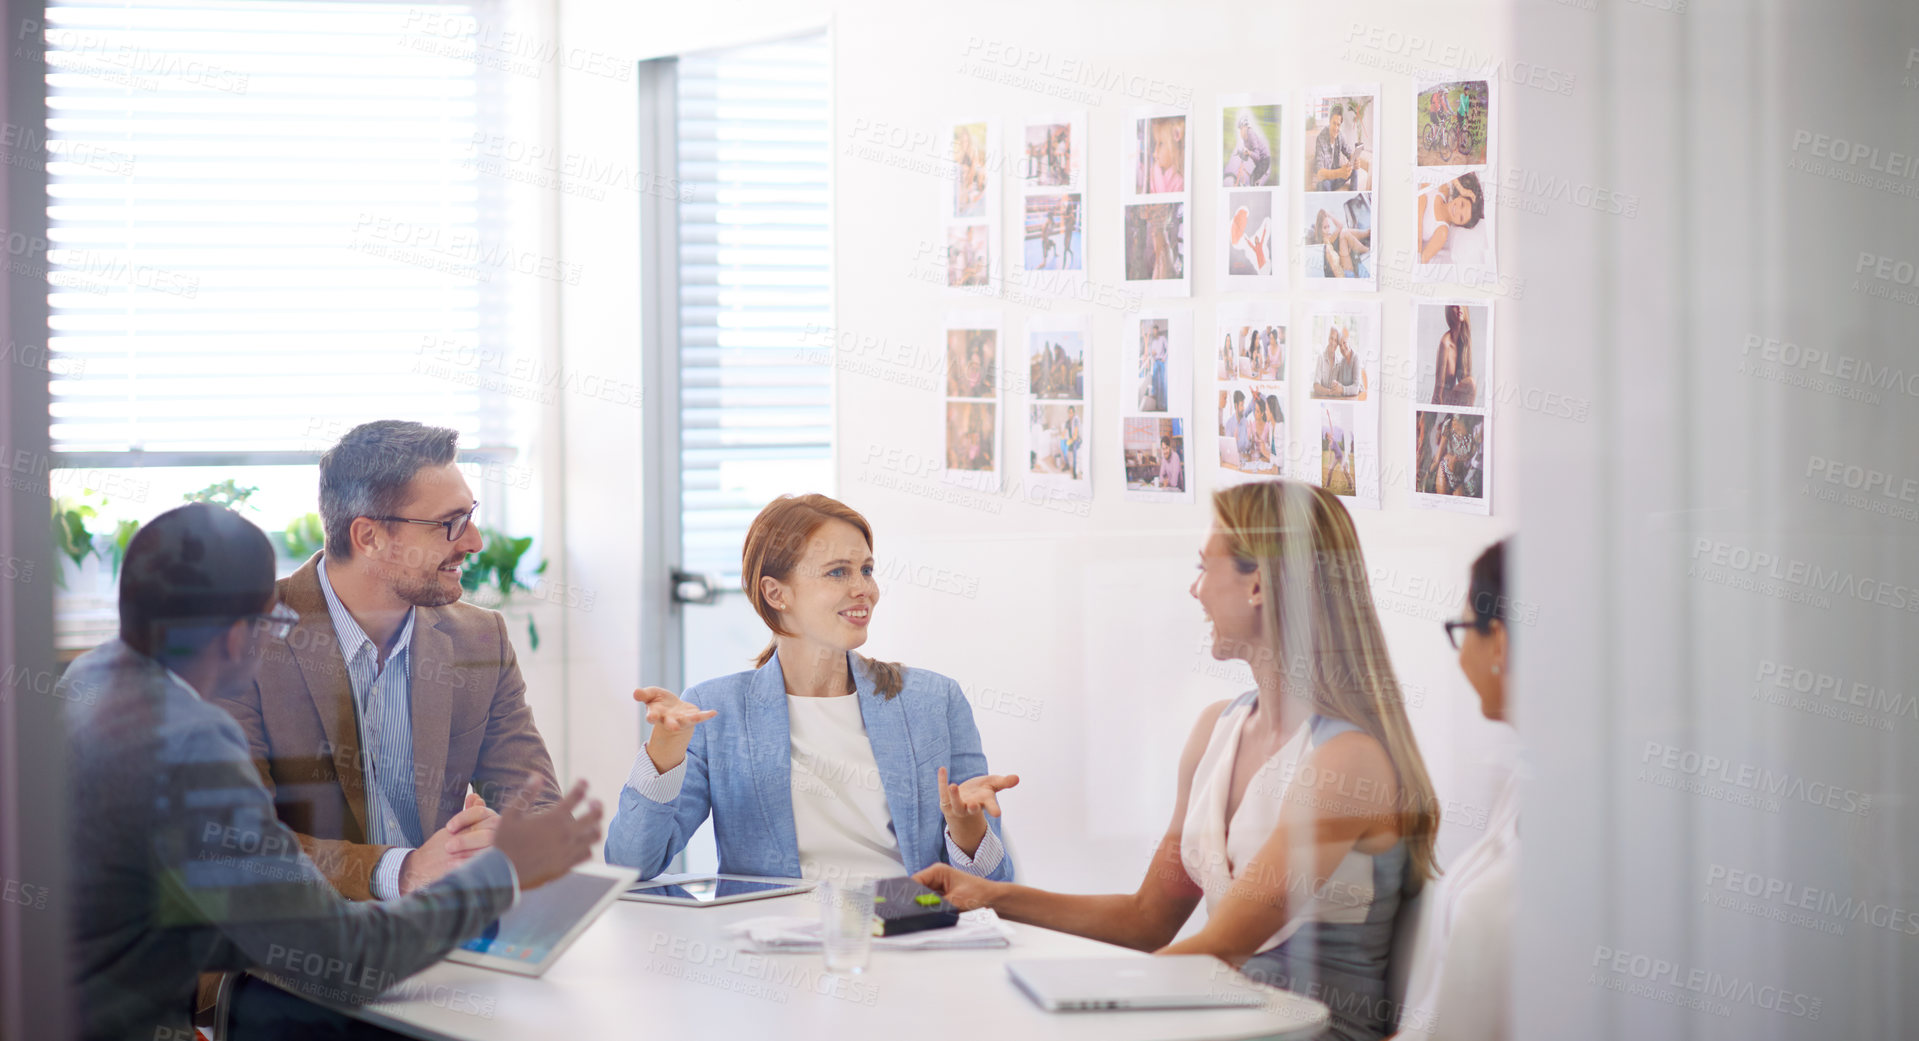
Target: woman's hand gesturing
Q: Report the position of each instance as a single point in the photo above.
(673, 721)
(965, 806)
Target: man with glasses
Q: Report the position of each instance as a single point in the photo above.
(178, 862)
(391, 697)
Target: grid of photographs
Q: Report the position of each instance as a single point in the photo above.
(1051, 169)
(1252, 217)
(1454, 175)
(1452, 413)
(1156, 391)
(1249, 391)
(971, 412)
(1058, 455)
(1156, 232)
(970, 210)
(1344, 341)
(1337, 203)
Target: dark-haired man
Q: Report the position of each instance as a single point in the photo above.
(1332, 156)
(179, 864)
(392, 697)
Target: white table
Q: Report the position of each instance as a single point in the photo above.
(654, 971)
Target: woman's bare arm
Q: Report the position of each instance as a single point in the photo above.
(1145, 919)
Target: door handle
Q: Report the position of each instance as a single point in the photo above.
(692, 588)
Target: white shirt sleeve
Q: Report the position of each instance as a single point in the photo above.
(385, 883)
(653, 785)
(984, 859)
(1474, 989)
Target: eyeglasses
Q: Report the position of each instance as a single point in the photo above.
(1452, 631)
(454, 528)
(278, 622)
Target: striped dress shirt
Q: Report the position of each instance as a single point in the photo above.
(382, 705)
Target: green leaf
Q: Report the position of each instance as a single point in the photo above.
(224, 493)
(304, 536)
(123, 533)
(70, 534)
(497, 564)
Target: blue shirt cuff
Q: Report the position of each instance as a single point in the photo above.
(653, 785)
(512, 873)
(385, 883)
(984, 861)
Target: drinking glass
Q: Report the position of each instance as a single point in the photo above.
(846, 925)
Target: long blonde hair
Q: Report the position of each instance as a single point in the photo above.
(1302, 543)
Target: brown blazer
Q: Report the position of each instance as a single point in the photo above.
(471, 726)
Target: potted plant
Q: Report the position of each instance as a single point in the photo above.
(492, 575)
(304, 536)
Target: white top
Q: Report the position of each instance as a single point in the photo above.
(1460, 982)
(839, 802)
(1429, 223)
(1215, 851)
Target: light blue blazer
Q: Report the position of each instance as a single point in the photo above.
(739, 767)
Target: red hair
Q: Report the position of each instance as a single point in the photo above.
(774, 544)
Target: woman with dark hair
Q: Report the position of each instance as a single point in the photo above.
(1273, 437)
(1459, 461)
(1302, 881)
(1344, 249)
(1453, 382)
(820, 763)
(1460, 986)
(1458, 203)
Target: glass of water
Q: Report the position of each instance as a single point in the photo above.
(846, 925)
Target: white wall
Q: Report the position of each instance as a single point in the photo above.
(1076, 638)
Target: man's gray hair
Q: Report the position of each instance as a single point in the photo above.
(367, 473)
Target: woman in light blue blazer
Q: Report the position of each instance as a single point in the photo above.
(821, 763)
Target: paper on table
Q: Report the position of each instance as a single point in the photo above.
(981, 928)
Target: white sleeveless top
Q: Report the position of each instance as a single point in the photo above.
(1215, 851)
(1429, 223)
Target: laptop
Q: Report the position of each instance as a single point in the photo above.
(528, 939)
(1228, 451)
(1168, 981)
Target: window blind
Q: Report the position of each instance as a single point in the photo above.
(267, 223)
(755, 289)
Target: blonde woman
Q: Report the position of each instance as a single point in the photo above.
(1303, 809)
(969, 183)
(1168, 170)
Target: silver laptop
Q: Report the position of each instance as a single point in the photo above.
(1228, 451)
(1169, 981)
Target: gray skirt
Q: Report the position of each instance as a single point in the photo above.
(1344, 964)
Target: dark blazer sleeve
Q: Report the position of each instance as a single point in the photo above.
(349, 866)
(514, 768)
(222, 858)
